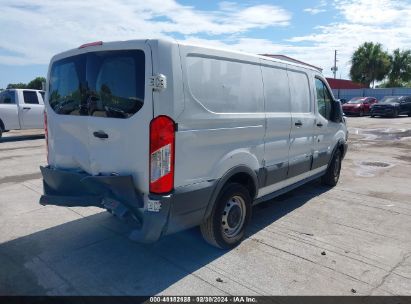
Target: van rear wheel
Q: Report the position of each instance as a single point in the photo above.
(1, 128)
(225, 228)
(331, 177)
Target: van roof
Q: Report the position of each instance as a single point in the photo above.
(183, 43)
(257, 56)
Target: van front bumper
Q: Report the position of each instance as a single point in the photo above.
(156, 216)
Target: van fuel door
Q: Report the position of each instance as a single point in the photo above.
(158, 82)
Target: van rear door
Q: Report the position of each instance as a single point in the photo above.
(99, 109)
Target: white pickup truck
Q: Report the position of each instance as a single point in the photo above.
(21, 109)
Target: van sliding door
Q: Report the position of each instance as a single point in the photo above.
(278, 126)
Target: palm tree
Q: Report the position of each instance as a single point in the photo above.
(369, 63)
(400, 72)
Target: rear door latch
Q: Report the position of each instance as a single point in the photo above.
(158, 82)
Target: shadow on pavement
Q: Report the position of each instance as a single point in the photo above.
(15, 138)
(93, 256)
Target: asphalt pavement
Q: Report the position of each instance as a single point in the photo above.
(354, 239)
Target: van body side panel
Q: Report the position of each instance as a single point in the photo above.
(278, 125)
(222, 125)
(303, 121)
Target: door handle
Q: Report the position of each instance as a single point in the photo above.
(100, 134)
(319, 124)
(26, 108)
(298, 123)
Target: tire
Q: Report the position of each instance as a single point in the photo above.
(1, 128)
(395, 115)
(409, 114)
(372, 116)
(361, 114)
(232, 205)
(331, 177)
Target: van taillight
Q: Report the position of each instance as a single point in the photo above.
(46, 135)
(162, 141)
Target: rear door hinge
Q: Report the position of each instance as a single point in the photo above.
(158, 82)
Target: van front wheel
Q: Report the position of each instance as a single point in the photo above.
(225, 228)
(332, 175)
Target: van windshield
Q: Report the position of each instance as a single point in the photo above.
(104, 84)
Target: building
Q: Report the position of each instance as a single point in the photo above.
(344, 84)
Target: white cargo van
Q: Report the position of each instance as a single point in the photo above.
(174, 136)
(21, 109)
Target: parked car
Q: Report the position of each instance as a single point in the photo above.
(392, 106)
(21, 109)
(173, 136)
(359, 106)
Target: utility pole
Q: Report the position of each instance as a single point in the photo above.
(334, 69)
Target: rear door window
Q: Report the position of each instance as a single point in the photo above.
(30, 97)
(7, 97)
(104, 84)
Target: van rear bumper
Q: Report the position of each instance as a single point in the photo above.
(182, 209)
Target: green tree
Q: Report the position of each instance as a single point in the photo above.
(36, 83)
(19, 85)
(400, 72)
(369, 63)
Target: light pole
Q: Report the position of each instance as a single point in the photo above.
(334, 69)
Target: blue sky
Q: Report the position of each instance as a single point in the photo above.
(32, 31)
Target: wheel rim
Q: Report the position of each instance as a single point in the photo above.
(233, 216)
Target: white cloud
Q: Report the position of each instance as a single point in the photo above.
(33, 33)
(376, 12)
(381, 21)
(320, 8)
(37, 31)
(314, 10)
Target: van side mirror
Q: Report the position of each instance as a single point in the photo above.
(337, 112)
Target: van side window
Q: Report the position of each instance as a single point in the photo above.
(300, 92)
(30, 97)
(323, 99)
(7, 97)
(225, 86)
